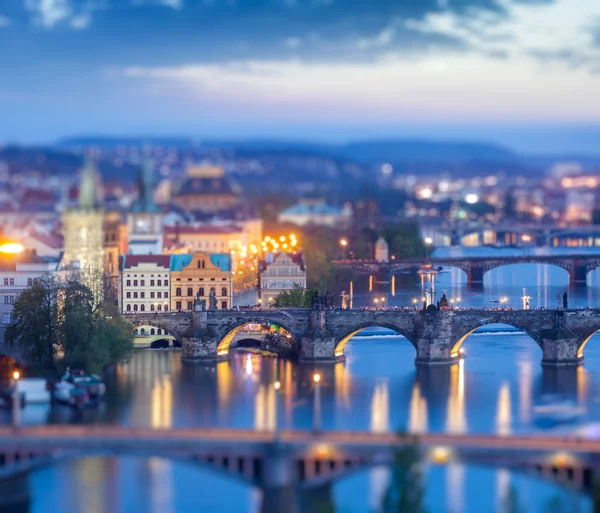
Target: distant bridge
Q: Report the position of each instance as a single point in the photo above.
(322, 335)
(475, 267)
(280, 463)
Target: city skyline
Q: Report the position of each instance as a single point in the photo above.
(519, 73)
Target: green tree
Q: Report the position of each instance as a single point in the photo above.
(112, 330)
(34, 322)
(295, 298)
(405, 493)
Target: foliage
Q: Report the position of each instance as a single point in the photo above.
(405, 493)
(34, 322)
(295, 298)
(51, 317)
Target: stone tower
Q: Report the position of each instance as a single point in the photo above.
(144, 221)
(382, 251)
(84, 232)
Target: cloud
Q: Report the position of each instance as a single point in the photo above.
(4, 21)
(48, 14)
(558, 31)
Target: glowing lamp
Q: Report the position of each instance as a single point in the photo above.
(317, 377)
(11, 248)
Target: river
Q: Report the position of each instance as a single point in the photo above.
(378, 388)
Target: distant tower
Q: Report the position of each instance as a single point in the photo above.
(382, 251)
(144, 222)
(84, 232)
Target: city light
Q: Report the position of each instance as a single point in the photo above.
(16, 375)
(11, 248)
(428, 240)
(471, 198)
(316, 377)
(343, 242)
(277, 386)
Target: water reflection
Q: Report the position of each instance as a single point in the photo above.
(503, 411)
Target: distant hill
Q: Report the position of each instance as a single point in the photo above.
(364, 152)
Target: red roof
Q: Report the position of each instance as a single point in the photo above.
(52, 240)
(134, 260)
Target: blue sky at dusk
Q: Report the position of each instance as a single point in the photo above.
(520, 72)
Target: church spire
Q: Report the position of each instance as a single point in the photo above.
(145, 201)
(87, 188)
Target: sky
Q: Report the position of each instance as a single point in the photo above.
(524, 73)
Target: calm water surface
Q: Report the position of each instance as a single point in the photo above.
(377, 388)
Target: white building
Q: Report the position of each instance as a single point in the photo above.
(17, 272)
(281, 272)
(318, 213)
(145, 283)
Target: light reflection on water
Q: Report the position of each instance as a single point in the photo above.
(378, 388)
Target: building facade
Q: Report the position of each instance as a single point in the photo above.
(17, 272)
(83, 228)
(280, 272)
(197, 275)
(145, 283)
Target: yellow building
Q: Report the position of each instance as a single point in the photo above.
(197, 275)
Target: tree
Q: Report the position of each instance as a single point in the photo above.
(295, 298)
(405, 493)
(34, 322)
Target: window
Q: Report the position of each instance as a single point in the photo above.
(129, 295)
(151, 295)
(128, 308)
(12, 281)
(5, 281)
(135, 308)
(189, 305)
(223, 305)
(152, 283)
(142, 294)
(178, 291)
(152, 331)
(29, 282)
(9, 299)
(166, 308)
(166, 294)
(159, 331)
(152, 307)
(166, 283)
(142, 307)
(6, 318)
(159, 308)
(201, 290)
(159, 295)
(135, 283)
(224, 291)
(201, 264)
(213, 291)
(159, 283)
(135, 295)
(142, 283)
(190, 291)
(178, 305)
(5, 300)
(129, 283)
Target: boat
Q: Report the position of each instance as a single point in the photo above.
(68, 393)
(92, 383)
(428, 269)
(557, 410)
(495, 300)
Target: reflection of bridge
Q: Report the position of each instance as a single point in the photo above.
(436, 336)
(475, 267)
(290, 460)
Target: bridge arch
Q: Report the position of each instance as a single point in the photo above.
(457, 343)
(568, 270)
(355, 330)
(233, 329)
(150, 335)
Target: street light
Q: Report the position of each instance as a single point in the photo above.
(428, 242)
(277, 387)
(16, 399)
(317, 403)
(376, 300)
(414, 301)
(344, 245)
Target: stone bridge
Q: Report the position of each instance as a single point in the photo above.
(322, 335)
(475, 267)
(283, 463)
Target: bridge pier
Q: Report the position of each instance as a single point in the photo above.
(15, 494)
(278, 481)
(559, 346)
(578, 276)
(434, 339)
(199, 342)
(319, 343)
